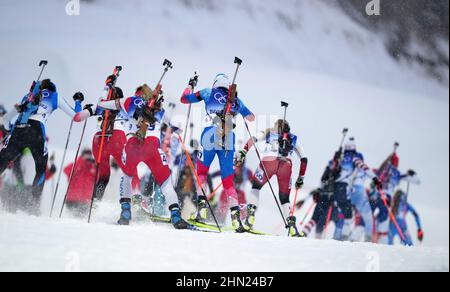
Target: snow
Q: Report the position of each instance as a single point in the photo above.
(333, 73)
(71, 245)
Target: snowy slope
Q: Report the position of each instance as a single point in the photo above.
(70, 245)
(334, 73)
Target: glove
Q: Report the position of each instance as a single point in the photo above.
(111, 80)
(299, 183)
(78, 97)
(20, 108)
(240, 159)
(420, 235)
(193, 82)
(316, 196)
(377, 183)
(90, 108)
(52, 169)
(411, 173)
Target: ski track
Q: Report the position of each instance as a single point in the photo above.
(43, 244)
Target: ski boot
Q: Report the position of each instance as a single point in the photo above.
(250, 220)
(125, 216)
(176, 220)
(293, 231)
(202, 213)
(236, 220)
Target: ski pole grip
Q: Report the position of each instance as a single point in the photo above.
(168, 64)
(237, 61)
(43, 63)
(284, 104)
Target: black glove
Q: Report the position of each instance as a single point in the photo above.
(377, 183)
(21, 107)
(78, 97)
(412, 173)
(111, 80)
(52, 169)
(193, 81)
(316, 196)
(299, 183)
(89, 107)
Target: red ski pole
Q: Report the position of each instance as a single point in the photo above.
(295, 202)
(330, 212)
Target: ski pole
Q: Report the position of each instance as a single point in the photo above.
(188, 157)
(72, 171)
(295, 202)
(61, 169)
(117, 71)
(267, 176)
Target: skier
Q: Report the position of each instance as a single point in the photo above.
(400, 209)
(117, 129)
(212, 141)
(389, 178)
(281, 144)
(29, 129)
(352, 177)
(83, 178)
(19, 183)
(145, 146)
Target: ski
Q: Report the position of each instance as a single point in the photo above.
(200, 226)
(225, 228)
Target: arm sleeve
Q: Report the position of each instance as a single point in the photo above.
(65, 107)
(359, 163)
(110, 105)
(303, 160)
(202, 95)
(261, 136)
(243, 109)
(78, 106)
